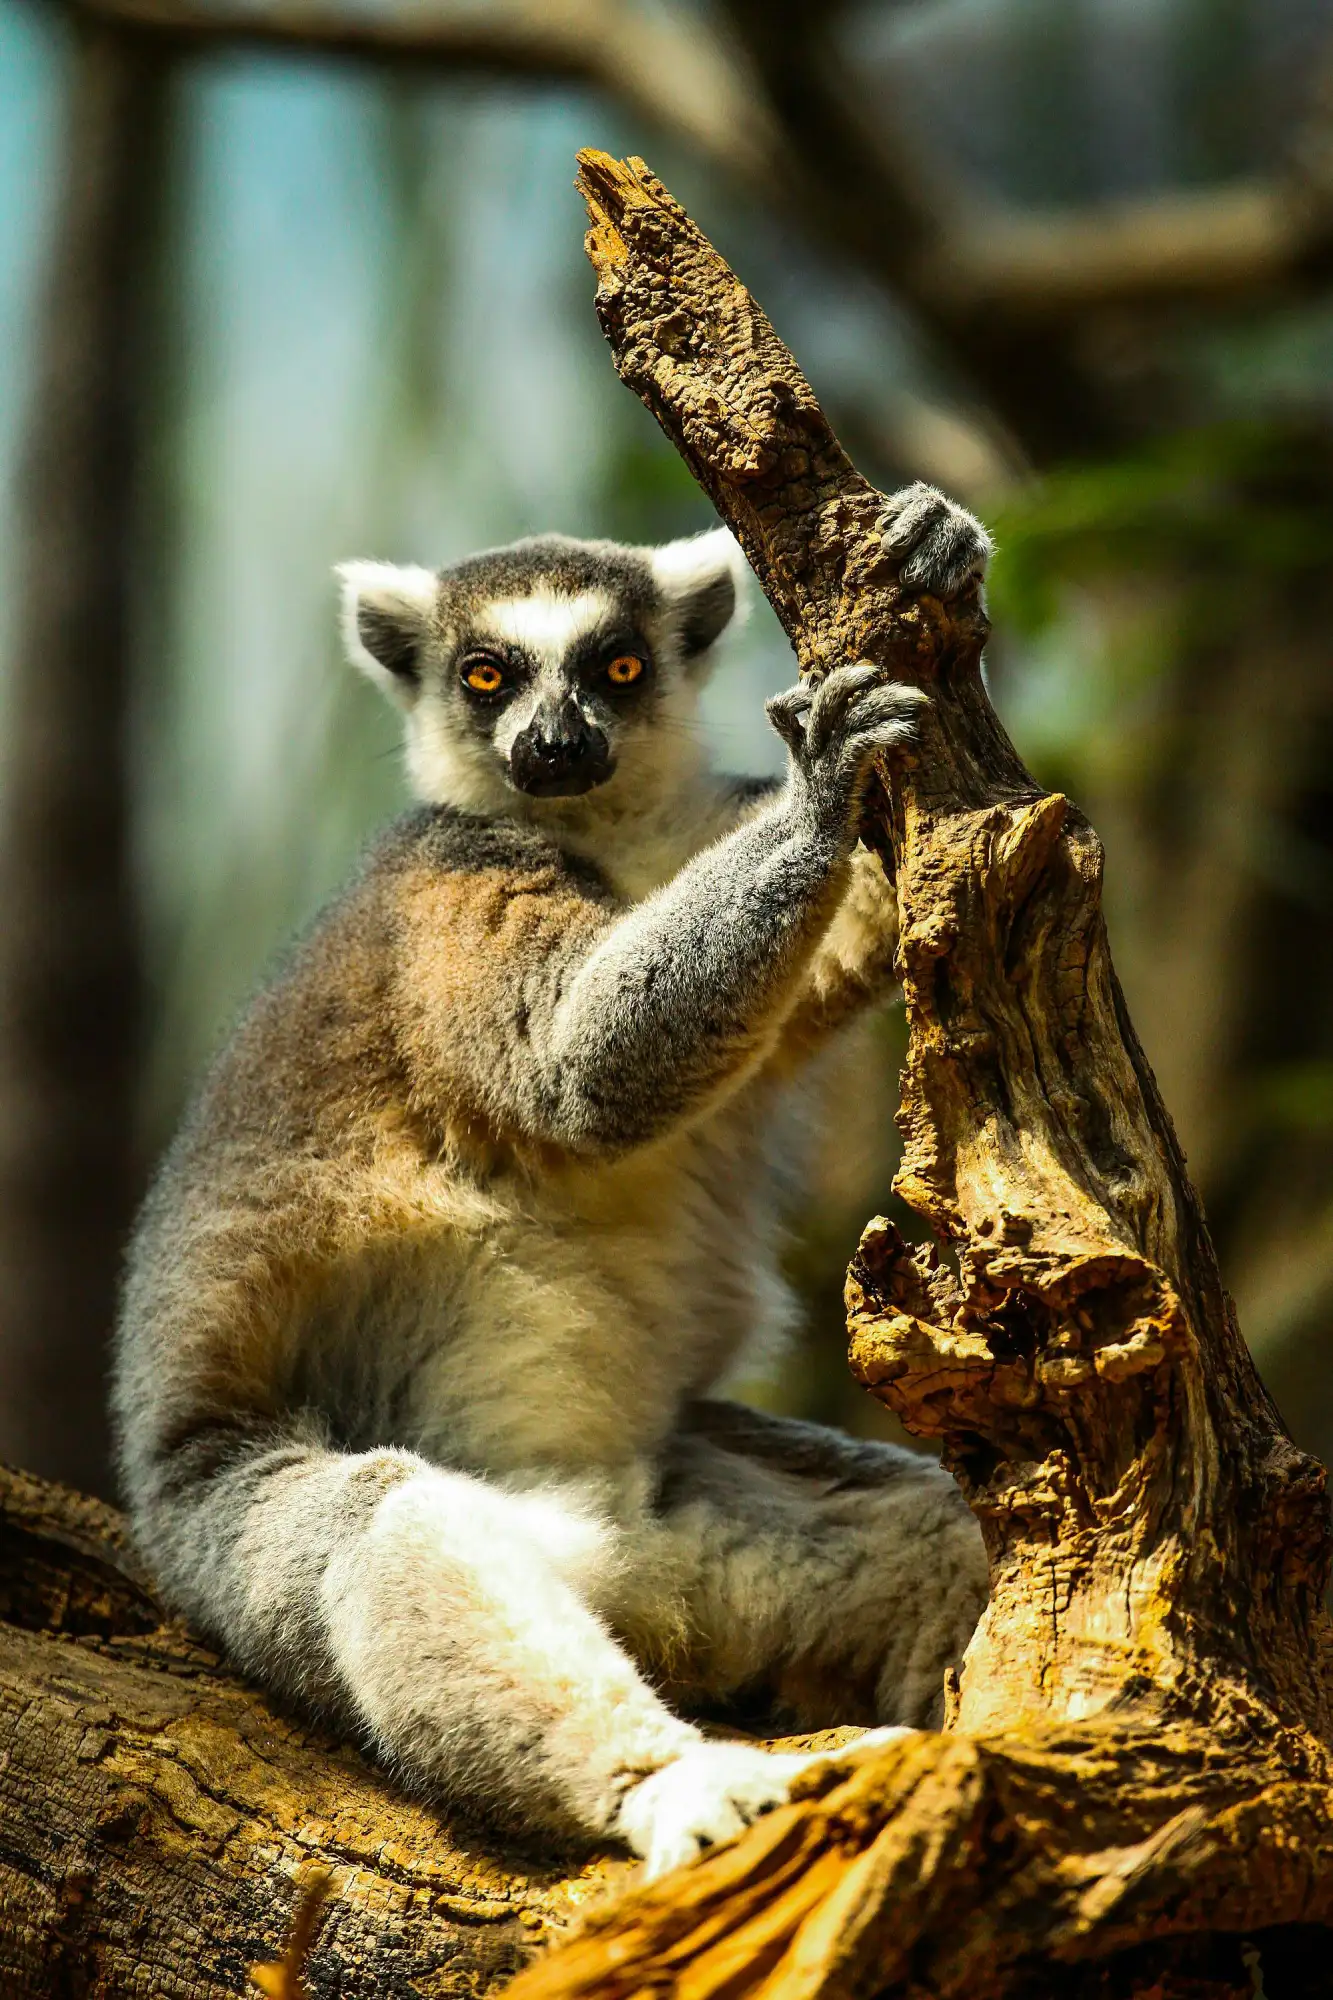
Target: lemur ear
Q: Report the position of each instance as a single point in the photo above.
(704, 580)
(385, 618)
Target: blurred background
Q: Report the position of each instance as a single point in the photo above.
(285, 284)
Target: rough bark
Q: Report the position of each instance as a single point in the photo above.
(1248, 704)
(1136, 1771)
(69, 947)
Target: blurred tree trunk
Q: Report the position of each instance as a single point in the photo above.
(69, 944)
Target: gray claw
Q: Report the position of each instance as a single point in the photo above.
(891, 718)
(836, 695)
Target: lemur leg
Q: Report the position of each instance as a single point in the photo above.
(448, 1621)
(462, 1625)
(832, 1578)
(441, 1618)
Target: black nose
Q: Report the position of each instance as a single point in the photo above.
(560, 753)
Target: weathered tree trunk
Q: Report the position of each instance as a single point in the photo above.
(69, 939)
(1133, 1796)
(1136, 1773)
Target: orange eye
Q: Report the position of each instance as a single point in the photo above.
(484, 677)
(626, 667)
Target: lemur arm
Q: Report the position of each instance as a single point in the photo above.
(852, 966)
(608, 1030)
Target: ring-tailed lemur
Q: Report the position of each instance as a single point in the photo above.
(423, 1313)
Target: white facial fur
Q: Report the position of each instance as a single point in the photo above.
(545, 625)
(660, 759)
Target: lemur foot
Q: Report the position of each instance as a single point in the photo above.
(939, 546)
(712, 1793)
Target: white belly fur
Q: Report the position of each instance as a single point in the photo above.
(584, 1312)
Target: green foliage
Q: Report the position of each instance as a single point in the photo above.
(1249, 501)
(1112, 579)
(1295, 1097)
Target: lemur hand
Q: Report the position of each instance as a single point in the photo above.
(835, 730)
(711, 1794)
(939, 546)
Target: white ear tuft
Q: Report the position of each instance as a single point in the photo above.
(706, 579)
(386, 610)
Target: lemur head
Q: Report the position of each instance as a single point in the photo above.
(548, 670)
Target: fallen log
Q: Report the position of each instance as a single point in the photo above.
(158, 1818)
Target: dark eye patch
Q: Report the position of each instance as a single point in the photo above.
(591, 655)
(480, 648)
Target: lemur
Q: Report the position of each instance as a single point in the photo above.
(427, 1311)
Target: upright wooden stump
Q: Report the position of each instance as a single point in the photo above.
(1133, 1793)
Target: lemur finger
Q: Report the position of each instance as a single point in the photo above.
(889, 725)
(953, 552)
(895, 707)
(941, 546)
(786, 712)
(836, 694)
(893, 739)
(908, 513)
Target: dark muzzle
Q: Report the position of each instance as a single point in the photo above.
(560, 753)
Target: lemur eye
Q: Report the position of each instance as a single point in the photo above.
(626, 667)
(483, 676)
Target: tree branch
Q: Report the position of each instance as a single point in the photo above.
(1010, 295)
(770, 106)
(1137, 1771)
(1137, 1774)
(1183, 245)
